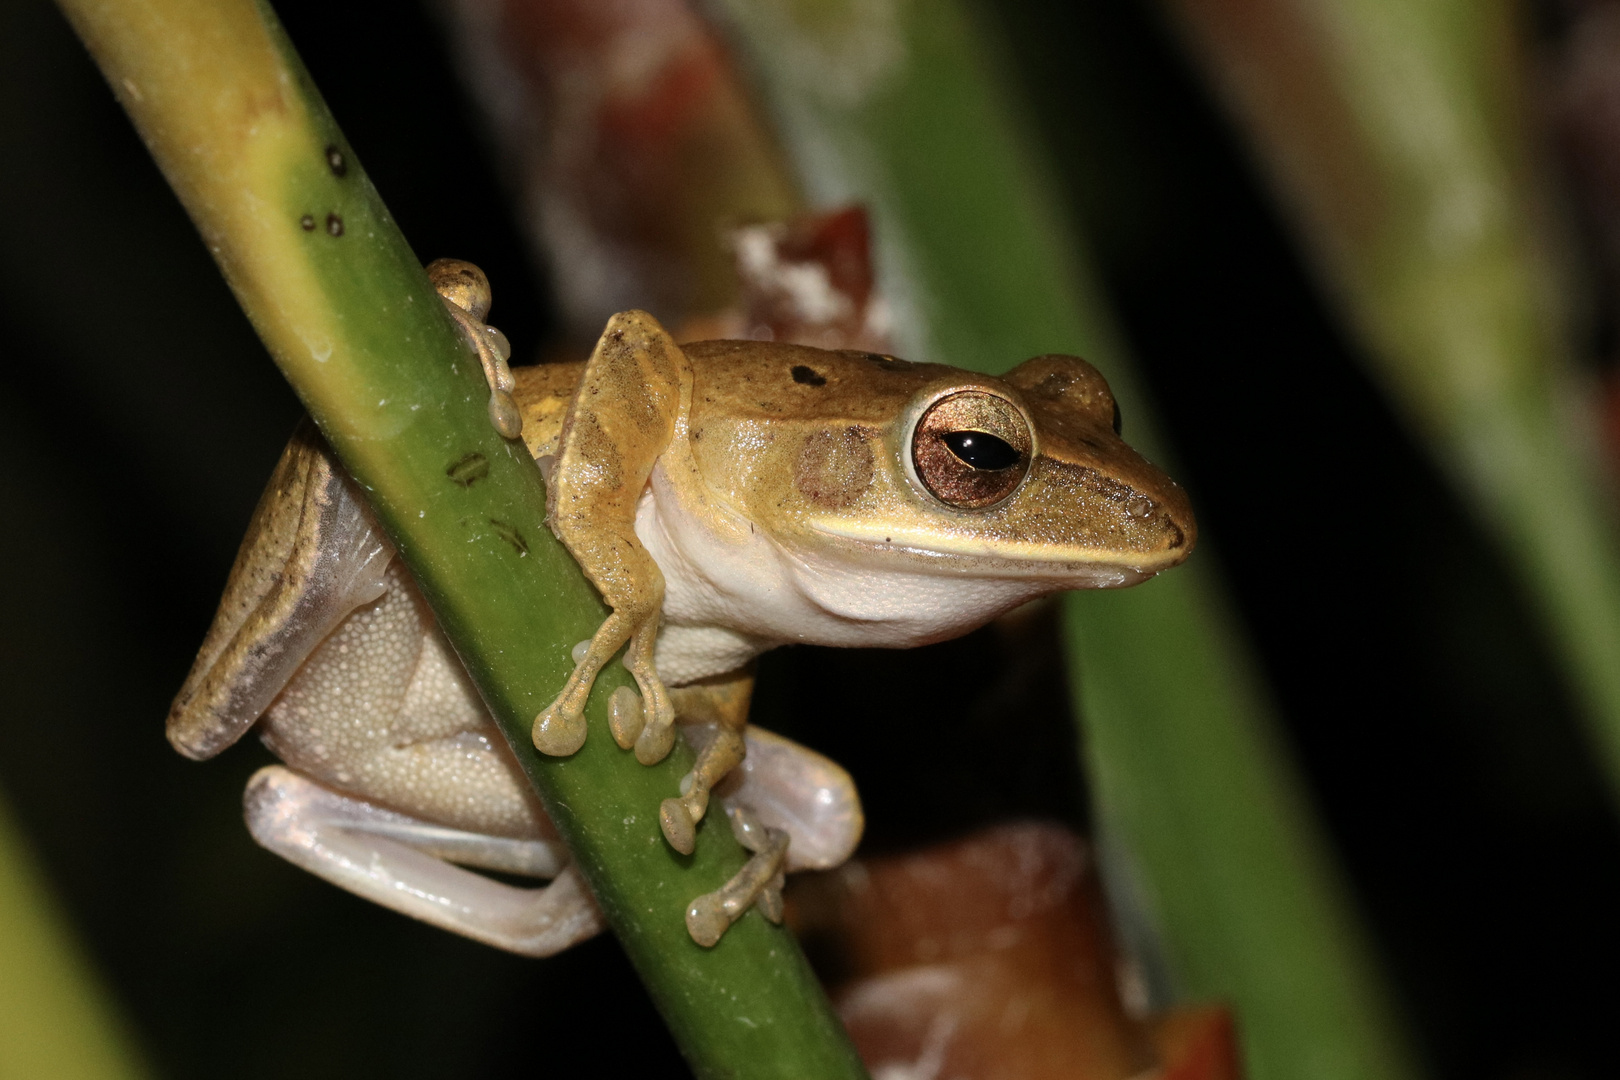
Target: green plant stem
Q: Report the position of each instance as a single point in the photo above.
(345, 310)
(1395, 133)
(898, 106)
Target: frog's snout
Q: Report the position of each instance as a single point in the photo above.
(1177, 526)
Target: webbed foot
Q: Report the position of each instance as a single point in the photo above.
(626, 718)
(559, 730)
(466, 295)
(757, 884)
(722, 752)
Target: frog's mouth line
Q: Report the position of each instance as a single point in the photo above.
(1012, 558)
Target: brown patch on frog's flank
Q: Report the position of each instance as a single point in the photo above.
(307, 223)
(335, 161)
(834, 468)
(808, 376)
(334, 224)
(1177, 537)
(468, 470)
(510, 535)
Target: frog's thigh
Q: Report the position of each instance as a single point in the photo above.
(622, 418)
(383, 710)
(401, 863)
(310, 557)
(806, 795)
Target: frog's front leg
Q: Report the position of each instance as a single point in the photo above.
(622, 418)
(409, 865)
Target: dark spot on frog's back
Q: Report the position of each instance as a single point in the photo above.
(808, 376)
(334, 225)
(510, 535)
(468, 470)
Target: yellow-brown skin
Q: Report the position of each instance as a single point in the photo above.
(835, 453)
(790, 493)
(759, 440)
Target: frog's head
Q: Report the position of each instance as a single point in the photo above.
(1022, 476)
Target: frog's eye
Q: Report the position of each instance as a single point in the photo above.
(971, 449)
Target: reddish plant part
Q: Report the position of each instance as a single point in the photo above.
(809, 281)
(990, 957)
(1584, 112)
(632, 144)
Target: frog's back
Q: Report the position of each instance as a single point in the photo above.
(543, 394)
(783, 382)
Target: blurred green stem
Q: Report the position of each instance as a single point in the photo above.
(55, 1018)
(347, 313)
(1395, 132)
(897, 105)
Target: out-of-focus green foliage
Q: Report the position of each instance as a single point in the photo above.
(1396, 133)
(899, 106)
(54, 1019)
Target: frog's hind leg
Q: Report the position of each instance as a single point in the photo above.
(794, 810)
(410, 865)
(713, 713)
(622, 418)
(808, 796)
(758, 884)
(311, 556)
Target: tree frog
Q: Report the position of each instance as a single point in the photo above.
(725, 497)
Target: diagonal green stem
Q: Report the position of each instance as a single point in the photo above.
(345, 310)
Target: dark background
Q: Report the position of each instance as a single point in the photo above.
(139, 418)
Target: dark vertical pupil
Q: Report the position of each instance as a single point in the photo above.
(981, 450)
(1119, 421)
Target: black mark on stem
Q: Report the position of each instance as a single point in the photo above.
(468, 470)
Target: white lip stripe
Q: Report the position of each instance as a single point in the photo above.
(1012, 551)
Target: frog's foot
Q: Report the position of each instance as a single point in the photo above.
(559, 730)
(408, 865)
(657, 735)
(808, 796)
(716, 757)
(757, 884)
(466, 295)
(626, 718)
